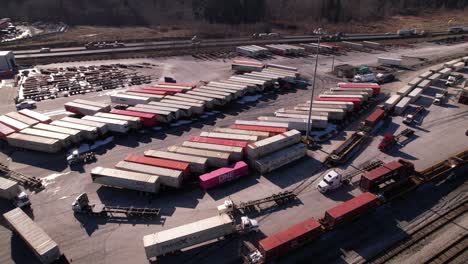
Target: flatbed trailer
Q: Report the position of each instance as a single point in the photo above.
(341, 154)
(251, 206)
(28, 182)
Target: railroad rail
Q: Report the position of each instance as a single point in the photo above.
(420, 233)
(29, 182)
(450, 252)
(279, 199)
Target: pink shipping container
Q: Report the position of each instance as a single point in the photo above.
(356, 102)
(5, 131)
(374, 86)
(223, 175)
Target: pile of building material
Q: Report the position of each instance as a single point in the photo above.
(85, 107)
(253, 51)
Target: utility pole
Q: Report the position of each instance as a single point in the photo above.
(309, 121)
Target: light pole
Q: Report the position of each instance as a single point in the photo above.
(309, 121)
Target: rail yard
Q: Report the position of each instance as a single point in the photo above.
(199, 155)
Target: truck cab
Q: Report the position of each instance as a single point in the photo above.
(226, 207)
(28, 104)
(387, 141)
(408, 119)
(332, 180)
(81, 203)
(21, 200)
(439, 99)
(248, 225)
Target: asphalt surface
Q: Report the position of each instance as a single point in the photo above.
(88, 240)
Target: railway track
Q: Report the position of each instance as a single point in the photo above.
(450, 252)
(422, 232)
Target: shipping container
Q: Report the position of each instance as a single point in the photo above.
(9, 189)
(215, 158)
(272, 130)
(375, 117)
(291, 74)
(359, 97)
(177, 238)
(196, 108)
(229, 94)
(424, 84)
(402, 105)
(374, 86)
(259, 83)
(232, 86)
(264, 147)
(147, 119)
(152, 97)
(144, 92)
(426, 75)
(356, 102)
(229, 136)
(320, 122)
(434, 77)
(216, 99)
(38, 116)
(128, 99)
(289, 239)
(118, 126)
(161, 116)
(223, 175)
(219, 141)
(13, 123)
(42, 144)
(246, 66)
(259, 134)
(405, 90)
(102, 128)
(22, 118)
(389, 61)
(171, 90)
(281, 67)
(133, 122)
(45, 249)
(251, 88)
(197, 164)
(168, 177)
(184, 86)
(81, 109)
(364, 95)
(184, 99)
(445, 72)
(65, 139)
(302, 116)
(76, 135)
(349, 210)
(89, 132)
(185, 110)
(280, 158)
(257, 123)
(392, 101)
(103, 106)
(396, 171)
(348, 107)
(332, 113)
(184, 167)
(5, 131)
(458, 66)
(208, 102)
(369, 92)
(236, 152)
(415, 94)
(236, 93)
(125, 179)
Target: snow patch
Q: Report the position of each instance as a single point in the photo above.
(51, 178)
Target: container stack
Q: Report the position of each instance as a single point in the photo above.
(286, 50)
(85, 107)
(253, 51)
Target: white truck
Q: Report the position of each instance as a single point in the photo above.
(440, 98)
(11, 191)
(332, 180)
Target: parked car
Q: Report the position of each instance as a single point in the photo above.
(28, 104)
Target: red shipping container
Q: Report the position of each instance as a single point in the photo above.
(400, 169)
(356, 102)
(168, 90)
(163, 163)
(294, 237)
(5, 131)
(350, 209)
(220, 141)
(147, 119)
(374, 86)
(143, 91)
(223, 175)
(375, 117)
(271, 130)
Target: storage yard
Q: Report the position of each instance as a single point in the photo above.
(188, 160)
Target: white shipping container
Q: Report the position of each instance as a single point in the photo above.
(161, 116)
(424, 84)
(251, 88)
(42, 144)
(331, 113)
(445, 72)
(215, 158)
(128, 99)
(256, 123)
(125, 179)
(402, 105)
(8, 189)
(435, 76)
(152, 97)
(197, 164)
(280, 158)
(361, 98)
(38, 116)
(458, 66)
(133, 122)
(89, 132)
(392, 101)
(364, 95)
(259, 134)
(217, 99)
(230, 94)
(118, 126)
(183, 99)
(285, 115)
(177, 113)
(81, 109)
(42, 244)
(405, 90)
(389, 61)
(425, 75)
(415, 94)
(269, 145)
(76, 135)
(101, 128)
(347, 106)
(168, 177)
(306, 107)
(236, 152)
(64, 138)
(13, 123)
(175, 239)
(229, 136)
(185, 110)
(104, 107)
(196, 108)
(236, 92)
(208, 102)
(415, 81)
(23, 119)
(368, 91)
(300, 124)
